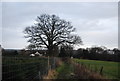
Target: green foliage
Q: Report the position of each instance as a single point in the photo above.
(62, 52)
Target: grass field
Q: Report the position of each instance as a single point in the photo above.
(110, 69)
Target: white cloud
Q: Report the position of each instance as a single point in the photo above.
(96, 23)
(13, 38)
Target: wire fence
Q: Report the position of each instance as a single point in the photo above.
(26, 68)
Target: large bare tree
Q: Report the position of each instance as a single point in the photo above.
(50, 31)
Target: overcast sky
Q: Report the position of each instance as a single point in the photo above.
(95, 22)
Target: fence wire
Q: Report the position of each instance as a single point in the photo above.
(26, 68)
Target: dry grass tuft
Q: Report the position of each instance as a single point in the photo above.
(81, 72)
(52, 74)
(58, 62)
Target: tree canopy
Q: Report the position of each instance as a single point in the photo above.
(50, 31)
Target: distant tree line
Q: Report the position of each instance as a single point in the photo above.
(9, 52)
(21, 52)
(93, 53)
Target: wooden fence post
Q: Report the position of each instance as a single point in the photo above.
(101, 70)
(95, 68)
(39, 75)
(48, 63)
(54, 63)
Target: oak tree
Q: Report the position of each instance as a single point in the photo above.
(50, 31)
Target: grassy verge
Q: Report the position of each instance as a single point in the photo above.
(64, 71)
(110, 69)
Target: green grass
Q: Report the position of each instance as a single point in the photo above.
(64, 71)
(110, 69)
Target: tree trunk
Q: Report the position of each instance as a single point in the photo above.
(53, 51)
(50, 51)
